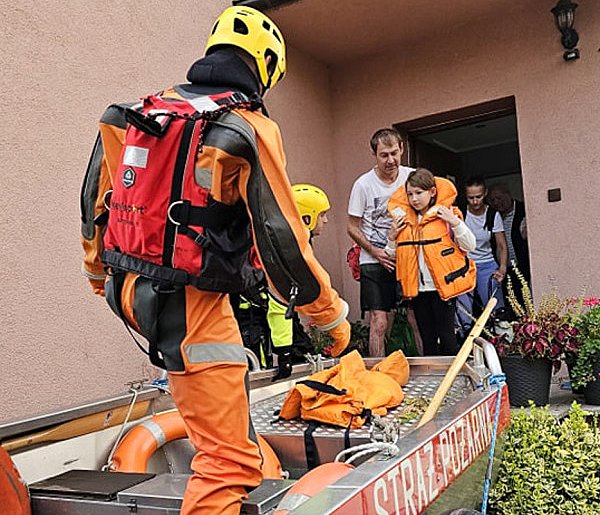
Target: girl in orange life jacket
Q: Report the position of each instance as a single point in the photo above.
(430, 241)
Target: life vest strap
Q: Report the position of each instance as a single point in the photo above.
(150, 124)
(419, 242)
(205, 242)
(199, 239)
(155, 123)
(167, 276)
(461, 272)
(310, 447)
(323, 387)
(162, 274)
(215, 215)
(187, 143)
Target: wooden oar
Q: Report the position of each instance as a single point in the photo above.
(80, 426)
(457, 364)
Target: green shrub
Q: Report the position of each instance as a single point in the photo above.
(359, 337)
(589, 350)
(549, 467)
(401, 335)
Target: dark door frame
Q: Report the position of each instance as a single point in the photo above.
(449, 119)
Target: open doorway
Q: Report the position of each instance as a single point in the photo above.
(479, 140)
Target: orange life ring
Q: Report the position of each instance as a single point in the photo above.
(311, 484)
(13, 492)
(142, 441)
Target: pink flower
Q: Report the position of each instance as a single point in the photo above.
(590, 302)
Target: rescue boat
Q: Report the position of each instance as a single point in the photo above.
(129, 454)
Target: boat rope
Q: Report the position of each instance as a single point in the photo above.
(384, 430)
(367, 448)
(134, 390)
(499, 380)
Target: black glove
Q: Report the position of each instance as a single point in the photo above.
(284, 364)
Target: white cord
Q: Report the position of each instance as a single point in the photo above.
(391, 449)
(367, 448)
(118, 440)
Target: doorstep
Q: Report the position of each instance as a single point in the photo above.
(561, 400)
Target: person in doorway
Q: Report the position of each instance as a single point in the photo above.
(369, 225)
(429, 241)
(512, 212)
(175, 243)
(490, 254)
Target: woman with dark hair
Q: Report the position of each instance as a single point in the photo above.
(490, 255)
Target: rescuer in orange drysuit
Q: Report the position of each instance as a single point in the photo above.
(173, 250)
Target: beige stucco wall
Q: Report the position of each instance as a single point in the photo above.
(302, 107)
(558, 108)
(62, 64)
(61, 67)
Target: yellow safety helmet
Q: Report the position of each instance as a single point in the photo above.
(311, 201)
(254, 32)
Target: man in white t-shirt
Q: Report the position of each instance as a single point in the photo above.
(369, 225)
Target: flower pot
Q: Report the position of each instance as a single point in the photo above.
(591, 392)
(527, 379)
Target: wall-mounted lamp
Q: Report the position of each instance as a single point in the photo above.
(564, 15)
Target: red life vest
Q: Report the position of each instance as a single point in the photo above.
(159, 215)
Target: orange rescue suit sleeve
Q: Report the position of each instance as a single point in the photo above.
(281, 238)
(98, 181)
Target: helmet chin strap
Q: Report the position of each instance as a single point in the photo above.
(265, 89)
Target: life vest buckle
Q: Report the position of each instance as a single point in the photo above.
(202, 240)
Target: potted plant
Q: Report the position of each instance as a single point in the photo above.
(540, 338)
(586, 371)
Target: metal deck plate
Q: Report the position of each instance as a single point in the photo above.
(167, 490)
(88, 484)
(266, 423)
(164, 491)
(287, 436)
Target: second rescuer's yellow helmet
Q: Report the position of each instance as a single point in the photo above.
(311, 201)
(254, 32)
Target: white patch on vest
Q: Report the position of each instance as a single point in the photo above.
(202, 104)
(135, 156)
